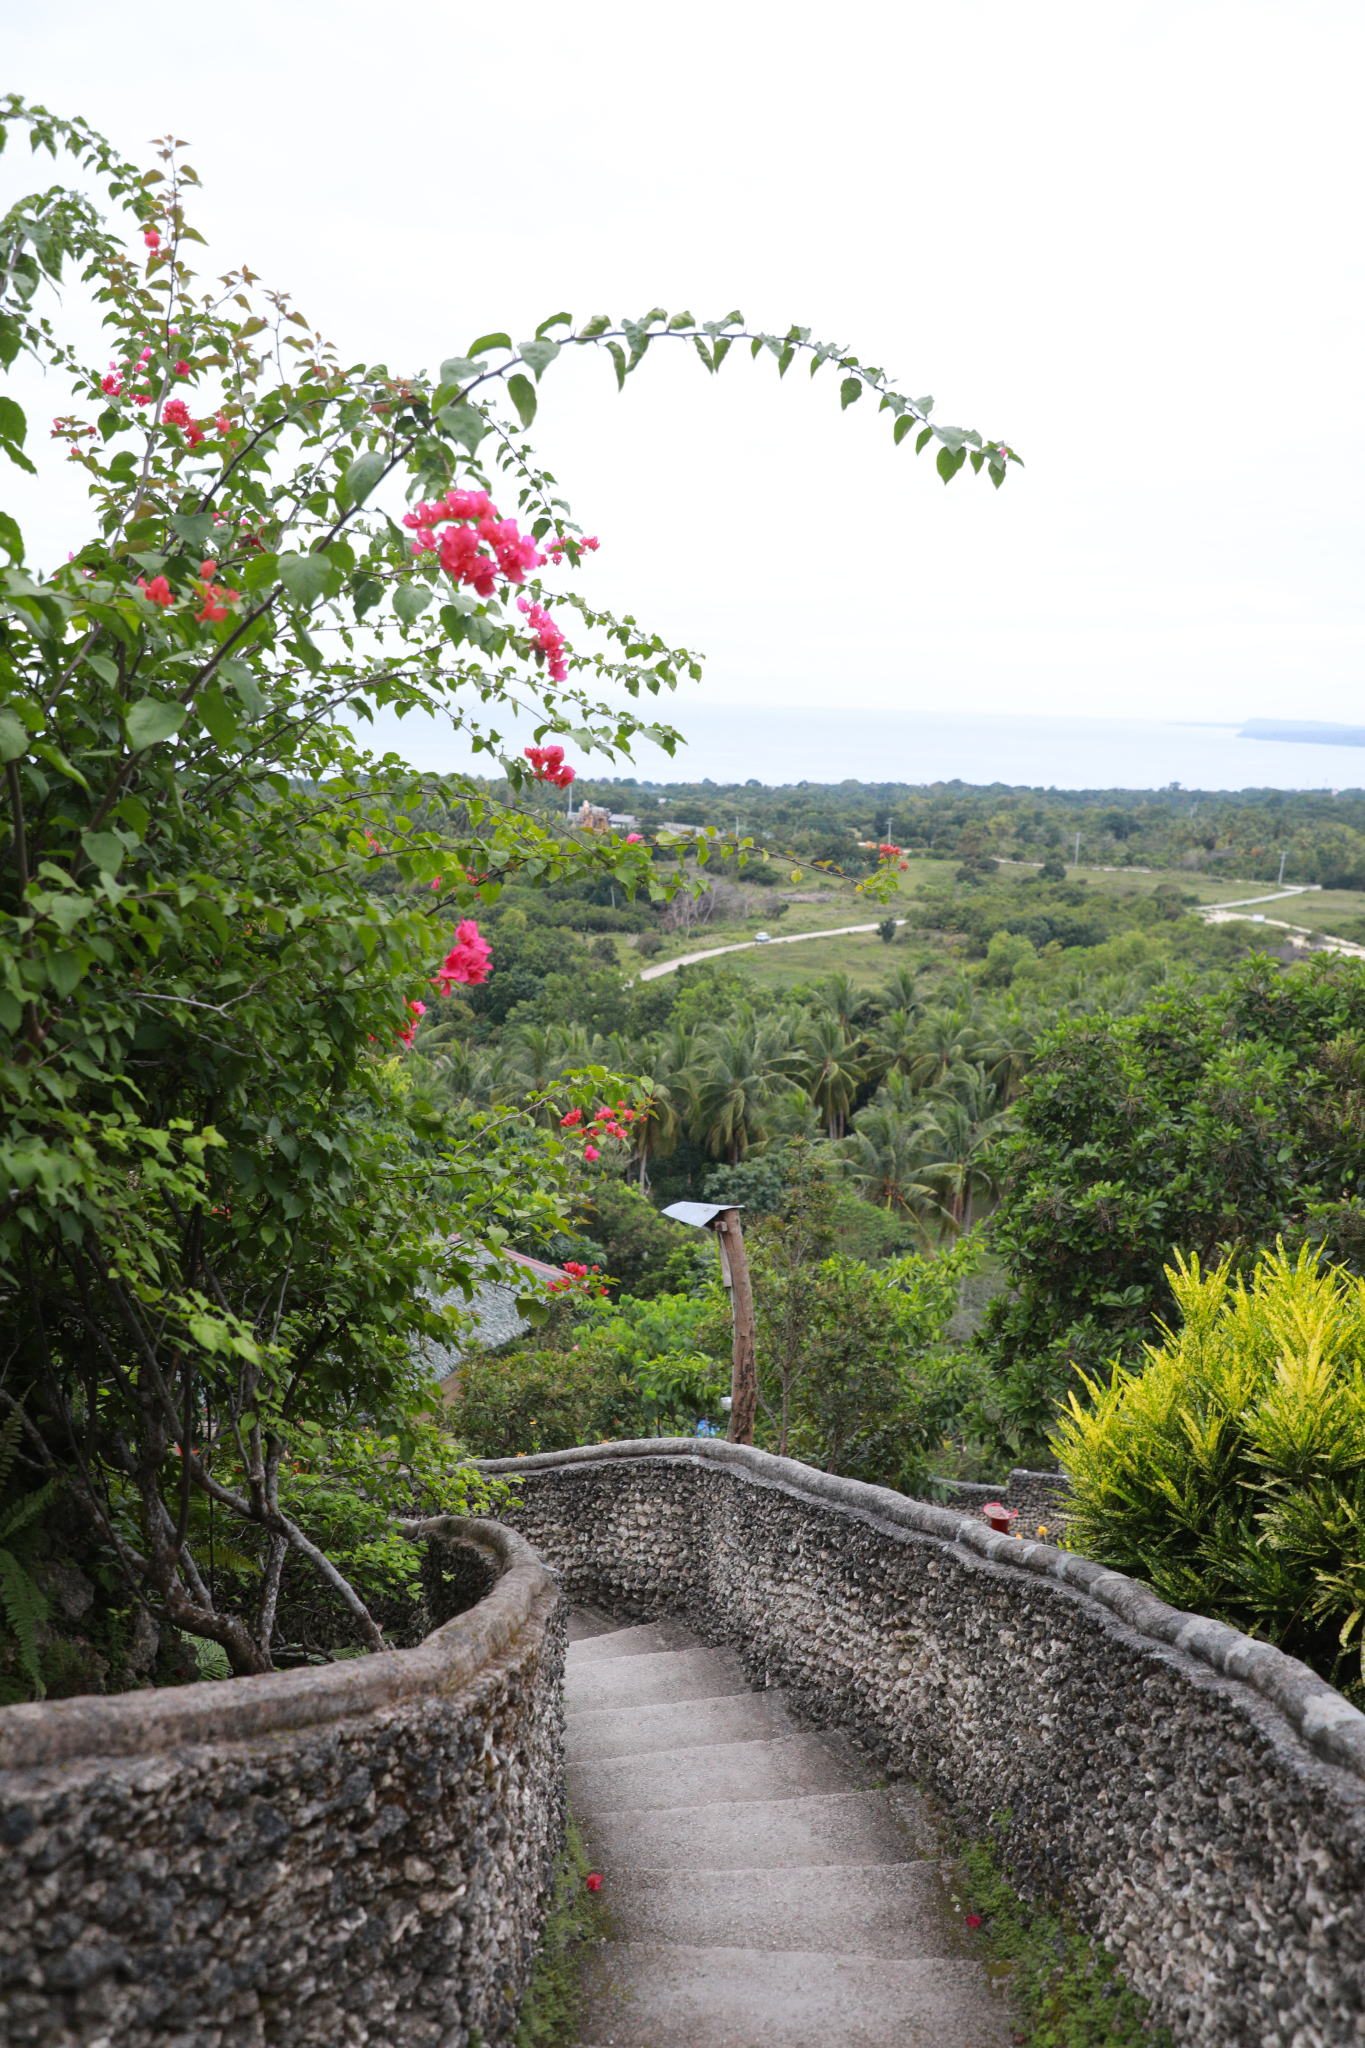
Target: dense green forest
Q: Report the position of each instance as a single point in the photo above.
(893, 1110)
(1243, 832)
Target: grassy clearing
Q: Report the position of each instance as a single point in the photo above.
(864, 956)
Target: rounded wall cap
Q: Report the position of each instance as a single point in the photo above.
(223, 1710)
(1327, 1723)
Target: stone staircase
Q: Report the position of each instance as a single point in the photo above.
(762, 1891)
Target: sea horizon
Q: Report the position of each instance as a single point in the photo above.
(779, 746)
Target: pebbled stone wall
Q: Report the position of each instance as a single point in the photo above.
(355, 1855)
(1199, 1798)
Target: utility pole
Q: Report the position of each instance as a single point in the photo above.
(734, 1271)
(1279, 879)
(734, 1266)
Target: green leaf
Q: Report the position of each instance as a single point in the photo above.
(218, 716)
(65, 968)
(906, 424)
(485, 341)
(11, 540)
(464, 423)
(109, 422)
(410, 600)
(539, 355)
(305, 577)
(13, 738)
(523, 396)
(363, 474)
(454, 623)
(365, 594)
(850, 390)
(458, 370)
(598, 324)
(239, 676)
(105, 849)
(195, 529)
(555, 320)
(152, 720)
(618, 356)
(13, 425)
(922, 439)
(259, 571)
(949, 461)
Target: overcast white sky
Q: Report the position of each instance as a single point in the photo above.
(1123, 236)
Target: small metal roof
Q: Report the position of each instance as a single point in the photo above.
(699, 1214)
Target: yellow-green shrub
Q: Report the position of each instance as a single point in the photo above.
(1229, 1473)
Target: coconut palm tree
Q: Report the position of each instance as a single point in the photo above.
(833, 1069)
(837, 994)
(885, 1153)
(957, 1162)
(944, 1039)
(665, 1065)
(904, 987)
(892, 1047)
(738, 1069)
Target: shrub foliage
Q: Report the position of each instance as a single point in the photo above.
(1229, 1471)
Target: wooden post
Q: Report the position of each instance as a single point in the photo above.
(744, 1369)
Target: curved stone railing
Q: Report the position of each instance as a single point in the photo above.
(360, 1851)
(1197, 1796)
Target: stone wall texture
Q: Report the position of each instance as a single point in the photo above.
(359, 1854)
(1197, 1797)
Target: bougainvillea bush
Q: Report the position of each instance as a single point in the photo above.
(224, 1206)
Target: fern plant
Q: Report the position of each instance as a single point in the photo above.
(23, 1603)
(1229, 1471)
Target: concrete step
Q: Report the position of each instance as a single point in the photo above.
(695, 1724)
(710, 1774)
(680, 1997)
(645, 1639)
(656, 1679)
(893, 1911)
(585, 1622)
(760, 1834)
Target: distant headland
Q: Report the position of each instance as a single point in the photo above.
(1310, 730)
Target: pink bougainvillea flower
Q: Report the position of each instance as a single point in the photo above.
(575, 1116)
(593, 1881)
(216, 599)
(111, 385)
(549, 644)
(973, 1919)
(591, 1153)
(158, 591)
(547, 763)
(182, 369)
(409, 1031)
(152, 237)
(176, 413)
(222, 422)
(634, 839)
(467, 961)
(146, 356)
(194, 434)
